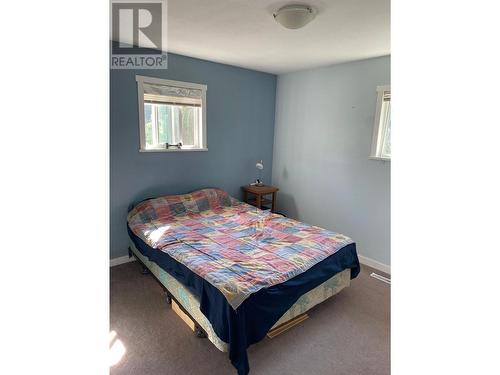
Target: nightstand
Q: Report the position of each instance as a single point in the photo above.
(257, 196)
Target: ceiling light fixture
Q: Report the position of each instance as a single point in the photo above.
(294, 16)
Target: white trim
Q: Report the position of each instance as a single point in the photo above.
(172, 149)
(204, 118)
(377, 129)
(142, 128)
(374, 264)
(169, 82)
(120, 260)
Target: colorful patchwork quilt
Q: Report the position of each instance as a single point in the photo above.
(237, 248)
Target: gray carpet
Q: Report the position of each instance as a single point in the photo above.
(347, 334)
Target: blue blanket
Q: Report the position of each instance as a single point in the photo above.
(251, 321)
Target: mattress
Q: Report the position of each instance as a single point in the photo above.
(192, 305)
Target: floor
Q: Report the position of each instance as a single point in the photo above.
(347, 334)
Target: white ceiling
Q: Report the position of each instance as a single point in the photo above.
(244, 33)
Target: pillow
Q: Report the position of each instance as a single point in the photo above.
(172, 205)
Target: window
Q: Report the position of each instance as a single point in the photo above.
(172, 115)
(381, 142)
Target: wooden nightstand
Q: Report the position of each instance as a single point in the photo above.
(258, 200)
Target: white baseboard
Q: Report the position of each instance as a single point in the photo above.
(120, 260)
(374, 264)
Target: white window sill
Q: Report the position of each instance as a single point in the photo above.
(379, 158)
(171, 149)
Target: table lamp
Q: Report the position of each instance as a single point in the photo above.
(260, 167)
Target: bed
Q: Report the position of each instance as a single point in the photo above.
(235, 270)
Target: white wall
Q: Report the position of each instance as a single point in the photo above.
(322, 140)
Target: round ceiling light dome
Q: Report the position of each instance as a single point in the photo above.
(294, 16)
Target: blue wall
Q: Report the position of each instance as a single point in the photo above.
(240, 127)
(323, 135)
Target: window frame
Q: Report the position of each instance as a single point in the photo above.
(167, 82)
(378, 130)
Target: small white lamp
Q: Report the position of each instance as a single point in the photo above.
(260, 167)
